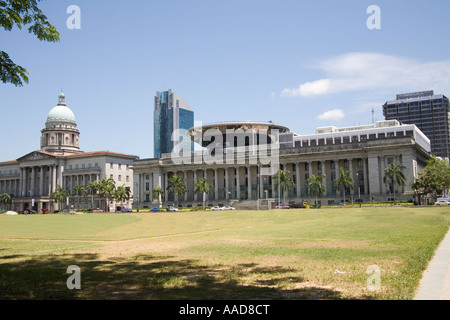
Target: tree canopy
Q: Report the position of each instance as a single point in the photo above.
(21, 13)
(435, 178)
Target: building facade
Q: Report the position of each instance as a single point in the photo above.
(243, 176)
(172, 118)
(32, 179)
(429, 112)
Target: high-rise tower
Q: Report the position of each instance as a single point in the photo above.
(429, 112)
(172, 119)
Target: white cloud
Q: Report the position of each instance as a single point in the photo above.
(336, 115)
(373, 71)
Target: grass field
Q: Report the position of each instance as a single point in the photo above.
(279, 254)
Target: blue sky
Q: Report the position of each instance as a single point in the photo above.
(303, 64)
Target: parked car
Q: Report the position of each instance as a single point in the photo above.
(98, 210)
(155, 209)
(442, 203)
(172, 209)
(282, 206)
(216, 208)
(126, 210)
(29, 211)
(228, 208)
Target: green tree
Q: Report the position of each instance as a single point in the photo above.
(93, 189)
(106, 191)
(22, 13)
(203, 186)
(79, 191)
(394, 175)
(315, 187)
(121, 194)
(435, 178)
(177, 185)
(158, 193)
(5, 200)
(283, 182)
(60, 195)
(344, 182)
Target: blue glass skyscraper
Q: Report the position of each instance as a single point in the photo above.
(172, 118)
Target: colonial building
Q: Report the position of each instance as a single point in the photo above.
(241, 165)
(33, 178)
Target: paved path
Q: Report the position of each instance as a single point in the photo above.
(435, 282)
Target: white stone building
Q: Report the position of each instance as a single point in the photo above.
(363, 150)
(33, 178)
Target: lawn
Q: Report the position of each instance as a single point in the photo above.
(278, 254)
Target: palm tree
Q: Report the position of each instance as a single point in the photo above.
(122, 193)
(176, 185)
(283, 182)
(315, 187)
(60, 195)
(106, 190)
(79, 191)
(394, 174)
(93, 187)
(203, 186)
(344, 182)
(158, 192)
(5, 199)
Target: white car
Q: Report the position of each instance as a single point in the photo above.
(442, 203)
(216, 208)
(228, 208)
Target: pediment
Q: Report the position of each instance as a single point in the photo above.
(36, 155)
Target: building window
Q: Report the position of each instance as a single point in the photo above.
(120, 178)
(147, 177)
(120, 166)
(128, 178)
(360, 163)
(332, 165)
(147, 186)
(111, 176)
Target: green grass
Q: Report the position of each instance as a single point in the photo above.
(278, 254)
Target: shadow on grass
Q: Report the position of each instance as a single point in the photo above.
(148, 277)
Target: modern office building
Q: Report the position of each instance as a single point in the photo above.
(429, 112)
(33, 178)
(242, 173)
(172, 118)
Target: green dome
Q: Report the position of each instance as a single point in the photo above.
(61, 113)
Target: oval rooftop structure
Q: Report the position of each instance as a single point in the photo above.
(247, 129)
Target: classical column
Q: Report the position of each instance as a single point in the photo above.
(21, 182)
(166, 184)
(297, 180)
(33, 177)
(54, 170)
(366, 177)
(195, 181)
(352, 176)
(227, 184)
(261, 183)
(325, 178)
(310, 169)
(238, 185)
(216, 184)
(249, 179)
(41, 182)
